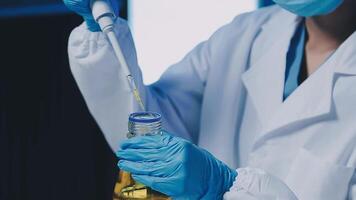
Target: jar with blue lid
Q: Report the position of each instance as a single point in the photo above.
(140, 124)
(144, 124)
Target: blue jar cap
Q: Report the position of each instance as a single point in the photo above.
(145, 117)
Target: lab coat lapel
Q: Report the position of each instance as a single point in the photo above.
(313, 100)
(347, 58)
(264, 80)
(222, 111)
(310, 102)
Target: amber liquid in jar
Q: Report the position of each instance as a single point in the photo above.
(126, 188)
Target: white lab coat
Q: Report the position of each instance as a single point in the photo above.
(226, 96)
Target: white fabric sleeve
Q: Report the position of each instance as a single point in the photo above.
(177, 95)
(257, 184)
(97, 73)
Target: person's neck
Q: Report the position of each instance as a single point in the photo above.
(326, 33)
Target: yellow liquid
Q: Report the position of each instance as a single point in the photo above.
(127, 189)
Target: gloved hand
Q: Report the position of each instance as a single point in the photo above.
(175, 167)
(82, 7)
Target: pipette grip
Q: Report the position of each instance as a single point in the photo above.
(103, 14)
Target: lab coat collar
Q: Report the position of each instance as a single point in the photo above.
(311, 102)
(346, 64)
(264, 81)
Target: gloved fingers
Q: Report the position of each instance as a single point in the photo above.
(146, 142)
(141, 142)
(154, 169)
(82, 7)
(139, 155)
(92, 25)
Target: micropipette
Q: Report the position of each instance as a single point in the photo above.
(104, 16)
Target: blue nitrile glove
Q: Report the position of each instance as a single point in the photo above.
(175, 167)
(82, 7)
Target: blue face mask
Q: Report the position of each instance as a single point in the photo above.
(307, 8)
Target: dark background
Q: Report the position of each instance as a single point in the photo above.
(12, 3)
(50, 146)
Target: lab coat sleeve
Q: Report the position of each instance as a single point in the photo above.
(257, 184)
(177, 95)
(98, 76)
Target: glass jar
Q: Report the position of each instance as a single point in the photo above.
(140, 124)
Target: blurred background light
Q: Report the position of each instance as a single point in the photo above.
(165, 31)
